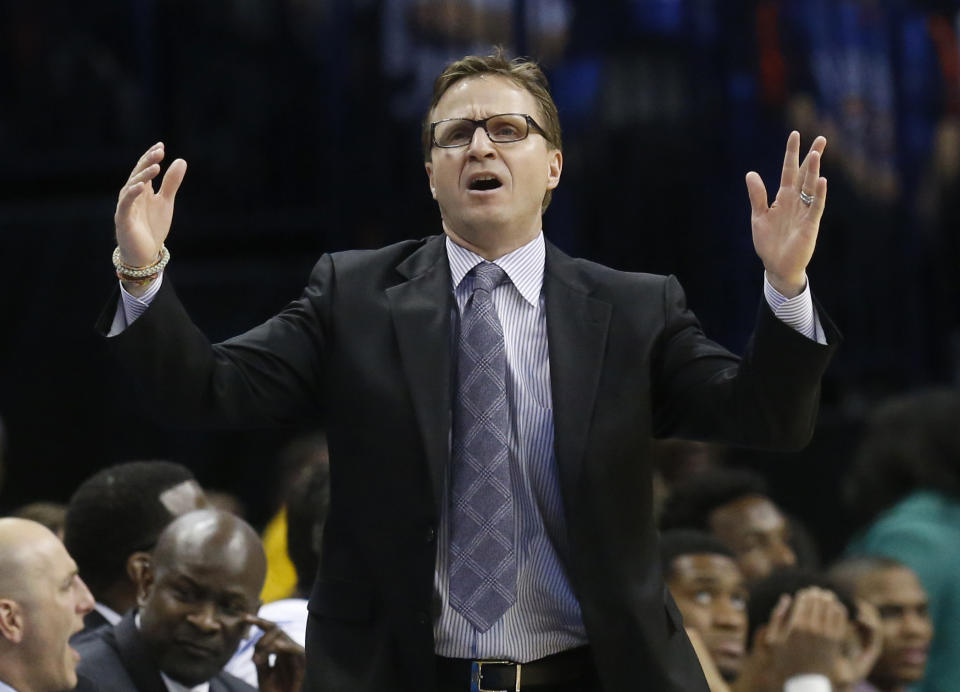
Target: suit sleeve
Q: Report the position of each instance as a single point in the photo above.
(767, 399)
(269, 375)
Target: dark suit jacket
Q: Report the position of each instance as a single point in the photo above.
(367, 346)
(114, 660)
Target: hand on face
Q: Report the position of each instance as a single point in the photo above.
(785, 233)
(281, 662)
(807, 637)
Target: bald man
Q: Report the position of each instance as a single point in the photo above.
(42, 603)
(196, 601)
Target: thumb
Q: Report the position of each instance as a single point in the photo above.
(757, 192)
(172, 179)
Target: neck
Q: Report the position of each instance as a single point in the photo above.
(119, 597)
(492, 244)
(12, 672)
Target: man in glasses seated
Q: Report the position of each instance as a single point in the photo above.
(490, 403)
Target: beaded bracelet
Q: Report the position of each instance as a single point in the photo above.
(128, 273)
(138, 282)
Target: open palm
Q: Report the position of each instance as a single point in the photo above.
(785, 232)
(143, 216)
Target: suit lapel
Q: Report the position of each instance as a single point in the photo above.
(577, 327)
(420, 308)
(135, 658)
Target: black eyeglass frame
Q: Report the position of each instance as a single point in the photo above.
(483, 123)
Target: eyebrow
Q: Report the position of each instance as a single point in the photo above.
(229, 593)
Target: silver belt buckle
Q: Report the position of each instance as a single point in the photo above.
(476, 675)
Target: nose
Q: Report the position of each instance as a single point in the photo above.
(782, 555)
(84, 598)
(480, 145)
(204, 617)
(917, 624)
(726, 615)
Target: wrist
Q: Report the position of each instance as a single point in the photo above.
(788, 287)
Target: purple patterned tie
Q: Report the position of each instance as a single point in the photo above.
(483, 567)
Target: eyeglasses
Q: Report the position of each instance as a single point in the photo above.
(504, 127)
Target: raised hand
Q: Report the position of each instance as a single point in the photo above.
(143, 216)
(281, 662)
(785, 232)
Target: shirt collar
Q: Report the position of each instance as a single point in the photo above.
(524, 266)
(4, 687)
(175, 686)
(108, 613)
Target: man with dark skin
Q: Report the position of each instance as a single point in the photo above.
(757, 532)
(113, 521)
(709, 589)
(905, 625)
(733, 505)
(196, 600)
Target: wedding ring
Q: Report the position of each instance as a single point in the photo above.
(805, 198)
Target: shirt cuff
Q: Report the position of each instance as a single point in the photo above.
(130, 307)
(797, 312)
(807, 683)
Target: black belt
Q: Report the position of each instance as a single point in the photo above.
(563, 668)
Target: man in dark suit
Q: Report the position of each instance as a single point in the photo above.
(490, 404)
(196, 599)
(113, 521)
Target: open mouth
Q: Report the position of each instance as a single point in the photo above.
(484, 183)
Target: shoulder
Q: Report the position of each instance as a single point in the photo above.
(605, 282)
(97, 649)
(347, 262)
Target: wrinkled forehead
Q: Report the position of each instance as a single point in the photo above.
(481, 96)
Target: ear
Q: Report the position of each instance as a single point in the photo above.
(145, 581)
(11, 620)
(433, 188)
(554, 168)
(137, 565)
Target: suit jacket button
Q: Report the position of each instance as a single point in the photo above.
(422, 618)
(430, 535)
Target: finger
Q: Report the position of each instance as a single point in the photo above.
(819, 202)
(791, 160)
(172, 179)
(152, 155)
(757, 192)
(811, 174)
(146, 174)
(265, 625)
(128, 196)
(778, 618)
(820, 606)
(837, 621)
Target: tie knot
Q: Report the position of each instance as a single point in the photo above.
(488, 276)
